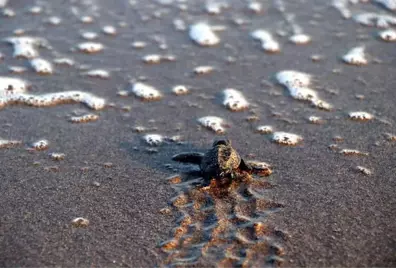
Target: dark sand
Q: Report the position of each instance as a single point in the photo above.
(334, 216)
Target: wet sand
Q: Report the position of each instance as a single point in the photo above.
(332, 215)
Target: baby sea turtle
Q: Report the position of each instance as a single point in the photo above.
(220, 161)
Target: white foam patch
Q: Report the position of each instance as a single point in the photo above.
(109, 30)
(89, 35)
(41, 66)
(3, 3)
(203, 34)
(298, 85)
(388, 35)
(153, 139)
(285, 138)
(156, 58)
(356, 56)
(54, 20)
(9, 143)
(360, 116)
(351, 152)
(255, 7)
(268, 43)
(84, 118)
(90, 47)
(300, 39)
(40, 145)
(343, 7)
(203, 70)
(374, 19)
(234, 100)
(389, 4)
(214, 7)
(97, 73)
(265, 129)
(13, 91)
(146, 92)
(180, 90)
(64, 61)
(24, 46)
(57, 156)
(213, 123)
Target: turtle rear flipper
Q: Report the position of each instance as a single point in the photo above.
(194, 158)
(245, 166)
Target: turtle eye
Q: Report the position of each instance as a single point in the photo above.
(221, 142)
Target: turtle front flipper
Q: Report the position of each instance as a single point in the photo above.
(193, 158)
(245, 166)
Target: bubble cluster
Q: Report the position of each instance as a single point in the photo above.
(285, 138)
(360, 116)
(9, 143)
(109, 30)
(265, 129)
(153, 139)
(364, 170)
(352, 152)
(146, 92)
(24, 46)
(57, 156)
(213, 123)
(180, 90)
(156, 58)
(97, 73)
(40, 145)
(203, 70)
(234, 100)
(84, 118)
(89, 35)
(268, 43)
(374, 19)
(297, 83)
(356, 56)
(300, 39)
(13, 91)
(41, 66)
(388, 35)
(90, 47)
(203, 34)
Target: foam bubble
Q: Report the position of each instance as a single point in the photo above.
(89, 35)
(54, 20)
(84, 118)
(109, 30)
(388, 35)
(353, 152)
(35, 10)
(203, 35)
(97, 73)
(146, 92)
(297, 83)
(13, 91)
(80, 222)
(203, 70)
(57, 156)
(214, 7)
(9, 143)
(156, 58)
(364, 170)
(180, 90)
(24, 46)
(64, 61)
(153, 139)
(8, 12)
(360, 116)
(41, 66)
(255, 7)
(315, 119)
(86, 19)
(90, 47)
(234, 100)
(268, 43)
(300, 39)
(265, 129)
(285, 138)
(213, 123)
(40, 145)
(355, 56)
(374, 19)
(17, 69)
(139, 44)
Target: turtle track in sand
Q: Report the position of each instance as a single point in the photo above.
(223, 224)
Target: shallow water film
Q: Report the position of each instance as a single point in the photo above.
(97, 96)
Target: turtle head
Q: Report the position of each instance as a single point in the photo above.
(225, 142)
